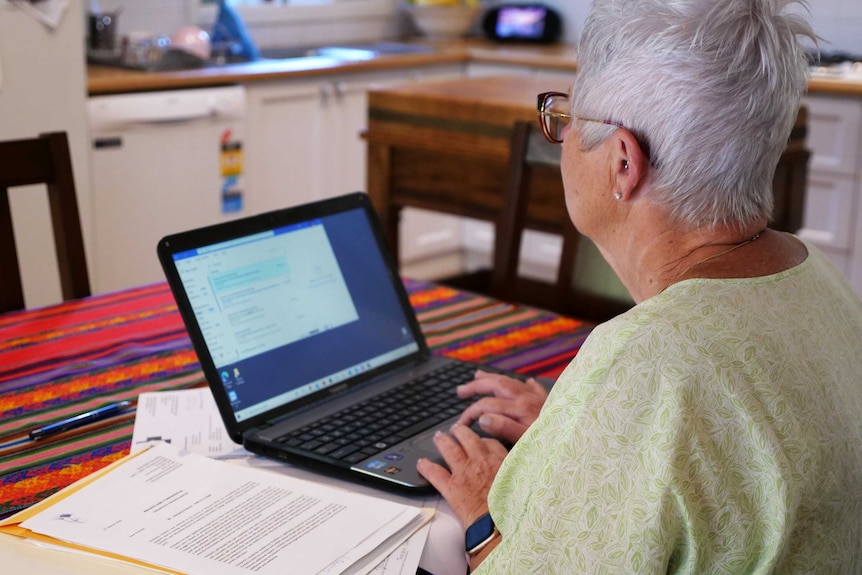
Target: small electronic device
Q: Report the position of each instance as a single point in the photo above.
(531, 22)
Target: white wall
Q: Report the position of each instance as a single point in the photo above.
(356, 21)
(838, 22)
(149, 16)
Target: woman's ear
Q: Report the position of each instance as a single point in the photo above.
(630, 165)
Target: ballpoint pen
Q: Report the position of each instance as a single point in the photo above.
(85, 418)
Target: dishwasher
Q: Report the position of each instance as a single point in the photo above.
(162, 162)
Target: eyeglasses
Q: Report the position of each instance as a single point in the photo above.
(554, 117)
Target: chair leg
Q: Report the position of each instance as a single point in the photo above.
(11, 291)
(65, 217)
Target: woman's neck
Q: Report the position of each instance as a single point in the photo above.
(650, 253)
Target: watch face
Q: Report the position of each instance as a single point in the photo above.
(479, 532)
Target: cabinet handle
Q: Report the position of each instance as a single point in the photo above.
(326, 91)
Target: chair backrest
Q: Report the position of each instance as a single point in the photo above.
(43, 160)
(535, 162)
(789, 182)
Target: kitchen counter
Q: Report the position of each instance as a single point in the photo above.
(836, 86)
(106, 80)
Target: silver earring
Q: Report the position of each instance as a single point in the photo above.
(618, 196)
(625, 164)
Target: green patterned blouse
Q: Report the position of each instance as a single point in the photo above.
(715, 428)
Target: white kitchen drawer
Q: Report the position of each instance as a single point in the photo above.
(830, 211)
(833, 133)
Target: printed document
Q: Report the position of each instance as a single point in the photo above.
(185, 512)
(189, 419)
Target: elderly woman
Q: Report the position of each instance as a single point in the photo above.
(716, 427)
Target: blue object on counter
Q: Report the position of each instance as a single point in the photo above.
(229, 30)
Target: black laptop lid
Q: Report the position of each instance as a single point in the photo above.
(289, 307)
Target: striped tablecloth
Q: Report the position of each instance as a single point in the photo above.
(62, 360)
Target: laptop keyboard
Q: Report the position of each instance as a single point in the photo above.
(365, 429)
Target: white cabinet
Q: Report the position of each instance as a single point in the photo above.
(304, 136)
(304, 143)
(833, 208)
(284, 141)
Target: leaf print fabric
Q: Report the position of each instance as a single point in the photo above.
(715, 428)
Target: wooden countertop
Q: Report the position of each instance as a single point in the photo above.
(472, 116)
(493, 100)
(838, 87)
(105, 80)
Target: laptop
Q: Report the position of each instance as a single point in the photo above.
(309, 343)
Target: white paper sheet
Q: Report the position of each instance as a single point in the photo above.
(190, 418)
(200, 516)
(186, 418)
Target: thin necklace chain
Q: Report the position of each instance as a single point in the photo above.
(712, 257)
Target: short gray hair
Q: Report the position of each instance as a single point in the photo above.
(712, 86)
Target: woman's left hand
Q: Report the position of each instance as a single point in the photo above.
(473, 463)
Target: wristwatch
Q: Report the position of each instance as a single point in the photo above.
(479, 534)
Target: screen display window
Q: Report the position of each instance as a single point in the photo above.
(290, 311)
(521, 22)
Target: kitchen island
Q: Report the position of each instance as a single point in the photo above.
(324, 106)
(444, 146)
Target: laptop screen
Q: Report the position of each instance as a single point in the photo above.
(295, 309)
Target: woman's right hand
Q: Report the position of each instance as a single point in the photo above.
(509, 409)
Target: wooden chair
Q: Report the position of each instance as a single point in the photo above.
(535, 162)
(43, 160)
(791, 175)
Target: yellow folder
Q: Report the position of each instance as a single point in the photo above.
(12, 525)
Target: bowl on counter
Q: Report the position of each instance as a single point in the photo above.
(443, 20)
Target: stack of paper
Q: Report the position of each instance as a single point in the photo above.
(182, 512)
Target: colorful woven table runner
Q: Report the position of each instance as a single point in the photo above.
(63, 360)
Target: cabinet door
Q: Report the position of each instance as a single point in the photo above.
(344, 105)
(342, 159)
(304, 135)
(304, 144)
(834, 133)
(829, 211)
(833, 206)
(285, 131)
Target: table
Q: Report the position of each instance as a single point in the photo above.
(444, 146)
(62, 360)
